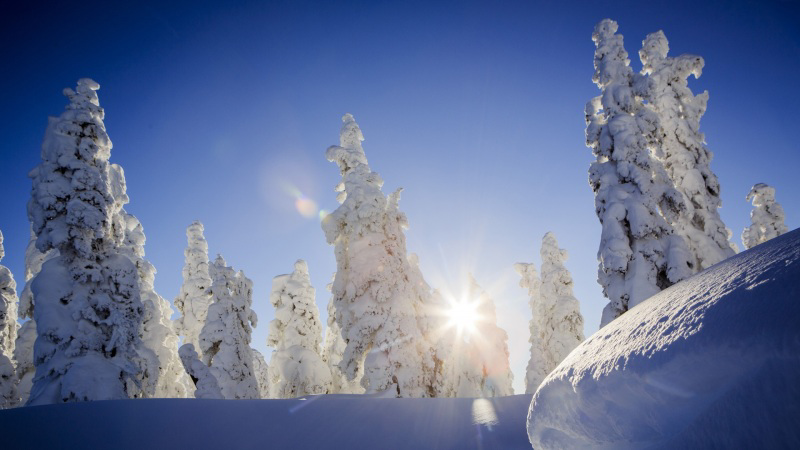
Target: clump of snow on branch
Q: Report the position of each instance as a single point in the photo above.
(483, 360)
(225, 337)
(639, 254)
(681, 147)
(88, 309)
(296, 368)
(206, 385)
(195, 296)
(767, 216)
(374, 304)
(9, 396)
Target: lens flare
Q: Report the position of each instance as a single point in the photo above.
(306, 207)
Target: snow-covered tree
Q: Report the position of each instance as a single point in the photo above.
(163, 374)
(767, 216)
(206, 385)
(88, 309)
(296, 368)
(195, 296)
(26, 336)
(681, 147)
(9, 396)
(557, 323)
(332, 352)
(482, 362)
(225, 337)
(374, 303)
(261, 369)
(536, 370)
(639, 254)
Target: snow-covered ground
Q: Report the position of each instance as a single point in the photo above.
(314, 422)
(712, 362)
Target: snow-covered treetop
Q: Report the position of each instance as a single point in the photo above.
(612, 66)
(296, 314)
(767, 216)
(72, 202)
(348, 155)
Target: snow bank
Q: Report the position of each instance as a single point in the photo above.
(712, 362)
(318, 422)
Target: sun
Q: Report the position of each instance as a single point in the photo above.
(463, 315)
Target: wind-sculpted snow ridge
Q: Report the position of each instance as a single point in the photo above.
(296, 367)
(712, 362)
(375, 306)
(88, 309)
(639, 255)
(346, 422)
(681, 147)
(195, 296)
(767, 216)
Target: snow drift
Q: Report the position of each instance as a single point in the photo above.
(314, 422)
(712, 362)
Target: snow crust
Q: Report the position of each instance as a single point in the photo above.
(712, 362)
(343, 422)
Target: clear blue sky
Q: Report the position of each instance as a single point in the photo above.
(219, 111)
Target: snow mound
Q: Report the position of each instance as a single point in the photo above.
(312, 422)
(712, 362)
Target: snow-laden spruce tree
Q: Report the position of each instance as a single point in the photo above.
(206, 385)
(681, 147)
(332, 352)
(767, 216)
(88, 310)
(9, 395)
(639, 255)
(374, 304)
(536, 369)
(195, 296)
(26, 335)
(261, 369)
(557, 324)
(225, 337)
(296, 368)
(483, 368)
(162, 372)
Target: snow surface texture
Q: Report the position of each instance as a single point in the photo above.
(482, 362)
(767, 216)
(88, 310)
(225, 337)
(296, 368)
(712, 362)
(345, 422)
(639, 254)
(195, 296)
(9, 395)
(375, 305)
(557, 324)
(682, 149)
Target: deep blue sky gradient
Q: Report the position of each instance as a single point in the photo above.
(218, 110)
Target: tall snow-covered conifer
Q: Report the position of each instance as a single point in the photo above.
(639, 254)
(88, 309)
(681, 147)
(557, 324)
(482, 363)
(767, 216)
(9, 395)
(195, 296)
(225, 337)
(26, 336)
(374, 304)
(296, 368)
